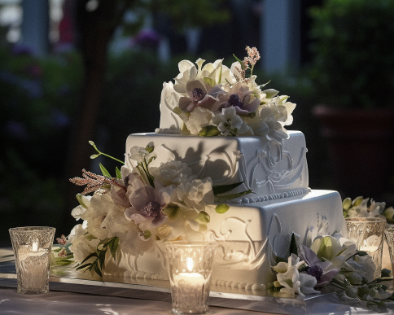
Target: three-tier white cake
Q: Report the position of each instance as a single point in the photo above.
(221, 167)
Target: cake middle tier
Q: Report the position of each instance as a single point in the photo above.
(269, 169)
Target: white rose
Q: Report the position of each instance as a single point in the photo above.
(195, 194)
(171, 173)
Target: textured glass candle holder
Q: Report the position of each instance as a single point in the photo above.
(190, 270)
(368, 234)
(32, 248)
(389, 232)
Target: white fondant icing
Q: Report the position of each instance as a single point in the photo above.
(270, 170)
(249, 236)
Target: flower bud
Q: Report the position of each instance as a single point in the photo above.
(356, 202)
(204, 217)
(355, 279)
(389, 214)
(346, 203)
(222, 208)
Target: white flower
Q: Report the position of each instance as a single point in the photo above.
(171, 173)
(193, 195)
(97, 215)
(292, 280)
(229, 123)
(129, 235)
(243, 99)
(79, 212)
(140, 154)
(210, 72)
(82, 245)
(267, 126)
(364, 266)
(198, 119)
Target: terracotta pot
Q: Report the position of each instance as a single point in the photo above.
(360, 147)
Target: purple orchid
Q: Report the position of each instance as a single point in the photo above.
(201, 94)
(146, 208)
(323, 271)
(241, 98)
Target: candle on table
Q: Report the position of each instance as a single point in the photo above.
(191, 279)
(33, 266)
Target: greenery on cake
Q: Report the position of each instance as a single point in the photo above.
(360, 207)
(215, 100)
(332, 263)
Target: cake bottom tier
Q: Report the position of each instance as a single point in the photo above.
(250, 236)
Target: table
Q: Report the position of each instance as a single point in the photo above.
(73, 298)
(69, 303)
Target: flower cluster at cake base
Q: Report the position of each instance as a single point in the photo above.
(360, 207)
(331, 263)
(214, 100)
(141, 205)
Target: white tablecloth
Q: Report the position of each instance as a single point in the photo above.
(70, 303)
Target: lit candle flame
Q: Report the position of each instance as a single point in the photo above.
(190, 264)
(34, 246)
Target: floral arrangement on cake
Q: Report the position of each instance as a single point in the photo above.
(141, 205)
(332, 263)
(360, 207)
(215, 100)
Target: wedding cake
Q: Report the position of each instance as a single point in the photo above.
(221, 167)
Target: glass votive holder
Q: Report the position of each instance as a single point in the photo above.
(368, 234)
(389, 232)
(32, 247)
(190, 271)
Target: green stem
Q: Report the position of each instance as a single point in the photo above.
(111, 157)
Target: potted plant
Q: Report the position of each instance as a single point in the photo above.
(353, 74)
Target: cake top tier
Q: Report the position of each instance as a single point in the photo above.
(210, 99)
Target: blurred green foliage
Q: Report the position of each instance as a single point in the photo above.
(354, 61)
(32, 189)
(38, 97)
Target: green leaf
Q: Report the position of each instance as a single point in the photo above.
(293, 245)
(263, 85)
(114, 247)
(240, 61)
(232, 196)
(83, 266)
(222, 208)
(104, 171)
(89, 256)
(225, 188)
(101, 259)
(80, 200)
(204, 217)
(97, 270)
(118, 173)
(209, 131)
